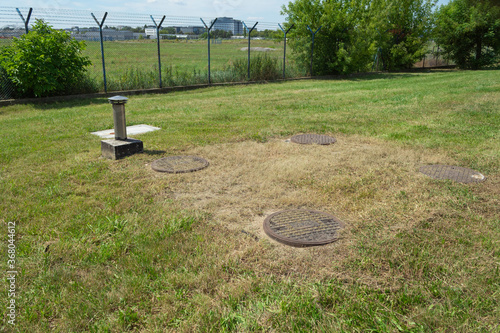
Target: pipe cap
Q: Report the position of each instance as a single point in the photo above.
(118, 100)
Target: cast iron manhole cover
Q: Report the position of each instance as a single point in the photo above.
(459, 174)
(313, 138)
(300, 227)
(179, 164)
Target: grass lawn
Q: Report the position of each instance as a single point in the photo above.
(112, 246)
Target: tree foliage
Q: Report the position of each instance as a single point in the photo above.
(217, 33)
(468, 31)
(341, 46)
(45, 62)
(353, 30)
(403, 29)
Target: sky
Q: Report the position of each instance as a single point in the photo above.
(246, 10)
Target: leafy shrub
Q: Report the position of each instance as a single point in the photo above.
(45, 62)
(262, 67)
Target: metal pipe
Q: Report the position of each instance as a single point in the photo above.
(120, 123)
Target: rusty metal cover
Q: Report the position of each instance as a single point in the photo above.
(458, 174)
(179, 164)
(301, 227)
(313, 138)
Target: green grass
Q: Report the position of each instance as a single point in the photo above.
(183, 62)
(112, 246)
(182, 55)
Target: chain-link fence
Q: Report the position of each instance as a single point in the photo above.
(139, 51)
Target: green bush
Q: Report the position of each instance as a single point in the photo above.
(262, 68)
(46, 62)
(352, 32)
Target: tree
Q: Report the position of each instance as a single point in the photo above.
(354, 30)
(167, 30)
(219, 33)
(343, 44)
(468, 31)
(45, 62)
(403, 30)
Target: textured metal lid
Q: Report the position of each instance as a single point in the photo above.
(456, 173)
(179, 164)
(313, 139)
(301, 227)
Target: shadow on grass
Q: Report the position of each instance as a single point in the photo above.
(69, 102)
(369, 76)
(154, 152)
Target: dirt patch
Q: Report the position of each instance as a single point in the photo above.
(364, 182)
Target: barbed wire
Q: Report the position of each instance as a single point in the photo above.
(65, 18)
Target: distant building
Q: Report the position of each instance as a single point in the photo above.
(196, 30)
(91, 34)
(150, 32)
(10, 31)
(229, 24)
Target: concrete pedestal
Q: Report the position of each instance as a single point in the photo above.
(116, 149)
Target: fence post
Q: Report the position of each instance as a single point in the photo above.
(249, 32)
(27, 21)
(437, 55)
(312, 46)
(208, 39)
(158, 42)
(284, 46)
(102, 48)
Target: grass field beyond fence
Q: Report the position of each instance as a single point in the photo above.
(134, 64)
(112, 246)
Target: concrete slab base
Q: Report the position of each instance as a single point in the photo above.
(116, 149)
(131, 130)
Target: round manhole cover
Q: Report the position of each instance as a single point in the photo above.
(313, 138)
(300, 227)
(459, 174)
(179, 164)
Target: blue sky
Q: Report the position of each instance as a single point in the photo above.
(248, 10)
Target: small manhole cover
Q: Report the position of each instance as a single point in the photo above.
(459, 174)
(300, 227)
(179, 164)
(313, 138)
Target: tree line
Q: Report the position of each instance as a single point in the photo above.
(352, 32)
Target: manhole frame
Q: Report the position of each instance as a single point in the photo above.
(459, 168)
(295, 139)
(296, 243)
(201, 159)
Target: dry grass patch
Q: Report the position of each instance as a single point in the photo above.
(373, 186)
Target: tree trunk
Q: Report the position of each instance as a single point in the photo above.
(479, 46)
